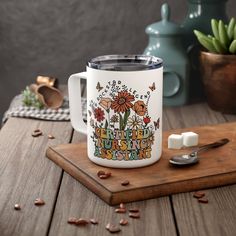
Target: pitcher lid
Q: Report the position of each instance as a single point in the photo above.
(165, 26)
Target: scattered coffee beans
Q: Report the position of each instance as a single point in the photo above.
(108, 174)
(203, 200)
(103, 175)
(199, 194)
(108, 226)
(93, 221)
(123, 222)
(134, 215)
(72, 220)
(112, 228)
(120, 210)
(37, 133)
(122, 205)
(125, 183)
(81, 222)
(100, 172)
(17, 207)
(50, 136)
(39, 202)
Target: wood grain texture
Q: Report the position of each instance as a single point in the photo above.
(156, 215)
(25, 174)
(217, 217)
(217, 167)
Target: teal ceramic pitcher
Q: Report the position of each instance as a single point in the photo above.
(200, 13)
(165, 41)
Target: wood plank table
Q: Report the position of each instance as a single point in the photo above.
(25, 174)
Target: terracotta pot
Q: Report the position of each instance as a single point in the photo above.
(219, 79)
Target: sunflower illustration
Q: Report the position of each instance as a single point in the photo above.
(122, 102)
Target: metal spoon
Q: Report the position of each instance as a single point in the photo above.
(192, 158)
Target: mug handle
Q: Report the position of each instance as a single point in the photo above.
(74, 90)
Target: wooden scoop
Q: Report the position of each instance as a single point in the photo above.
(49, 96)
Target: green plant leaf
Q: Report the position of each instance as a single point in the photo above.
(230, 30)
(232, 47)
(218, 46)
(30, 99)
(235, 32)
(199, 34)
(224, 39)
(207, 43)
(214, 27)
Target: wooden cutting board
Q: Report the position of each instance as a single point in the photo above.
(217, 167)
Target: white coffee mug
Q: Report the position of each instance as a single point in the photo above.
(124, 109)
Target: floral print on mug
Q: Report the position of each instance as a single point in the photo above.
(123, 129)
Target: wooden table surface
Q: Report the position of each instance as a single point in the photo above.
(26, 174)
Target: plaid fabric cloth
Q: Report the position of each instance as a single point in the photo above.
(17, 109)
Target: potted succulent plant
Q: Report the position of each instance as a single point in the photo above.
(218, 65)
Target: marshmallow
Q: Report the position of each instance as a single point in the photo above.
(190, 139)
(175, 141)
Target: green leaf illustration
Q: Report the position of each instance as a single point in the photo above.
(106, 124)
(121, 121)
(126, 116)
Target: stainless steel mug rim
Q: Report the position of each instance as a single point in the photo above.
(125, 62)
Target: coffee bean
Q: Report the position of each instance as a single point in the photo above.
(120, 210)
(114, 229)
(37, 133)
(17, 207)
(81, 221)
(108, 174)
(50, 136)
(72, 220)
(39, 202)
(93, 221)
(199, 194)
(123, 222)
(122, 205)
(103, 176)
(134, 215)
(134, 210)
(108, 226)
(100, 172)
(203, 200)
(125, 183)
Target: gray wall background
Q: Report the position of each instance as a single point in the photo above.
(57, 37)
